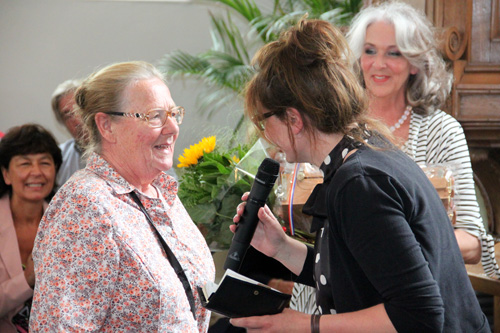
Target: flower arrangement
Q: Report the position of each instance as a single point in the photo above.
(194, 153)
(210, 187)
(212, 182)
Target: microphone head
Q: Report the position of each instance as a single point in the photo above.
(268, 172)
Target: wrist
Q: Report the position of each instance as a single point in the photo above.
(292, 254)
(315, 318)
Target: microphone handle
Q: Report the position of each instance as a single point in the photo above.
(243, 234)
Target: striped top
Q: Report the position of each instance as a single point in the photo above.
(439, 139)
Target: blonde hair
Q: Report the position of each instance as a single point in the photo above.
(309, 68)
(415, 38)
(103, 91)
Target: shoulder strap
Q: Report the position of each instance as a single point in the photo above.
(170, 256)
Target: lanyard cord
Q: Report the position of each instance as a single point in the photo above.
(170, 256)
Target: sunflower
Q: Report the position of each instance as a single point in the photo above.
(195, 152)
(208, 144)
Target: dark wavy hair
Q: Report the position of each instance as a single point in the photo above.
(24, 140)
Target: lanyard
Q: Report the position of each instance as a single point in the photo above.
(170, 256)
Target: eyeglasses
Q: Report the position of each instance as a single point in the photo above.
(155, 117)
(261, 123)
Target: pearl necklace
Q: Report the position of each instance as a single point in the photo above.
(402, 119)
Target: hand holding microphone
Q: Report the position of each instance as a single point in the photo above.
(262, 186)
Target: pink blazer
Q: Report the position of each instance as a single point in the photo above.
(14, 290)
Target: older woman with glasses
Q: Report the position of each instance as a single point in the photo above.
(116, 250)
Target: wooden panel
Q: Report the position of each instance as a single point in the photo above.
(478, 104)
(495, 21)
(485, 21)
(452, 18)
(481, 282)
(477, 109)
(482, 134)
(486, 166)
(457, 14)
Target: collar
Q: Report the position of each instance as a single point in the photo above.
(316, 203)
(165, 184)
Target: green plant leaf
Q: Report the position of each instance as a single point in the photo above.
(246, 8)
(203, 213)
(211, 189)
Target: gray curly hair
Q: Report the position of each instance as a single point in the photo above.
(415, 38)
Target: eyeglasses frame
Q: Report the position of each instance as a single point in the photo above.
(144, 116)
(265, 116)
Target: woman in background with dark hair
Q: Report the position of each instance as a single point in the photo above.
(29, 160)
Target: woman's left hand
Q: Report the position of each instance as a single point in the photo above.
(287, 321)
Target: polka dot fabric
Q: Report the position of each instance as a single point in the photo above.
(383, 237)
(321, 271)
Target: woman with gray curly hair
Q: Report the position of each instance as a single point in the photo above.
(407, 82)
(385, 258)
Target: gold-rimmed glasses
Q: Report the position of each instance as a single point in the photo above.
(155, 117)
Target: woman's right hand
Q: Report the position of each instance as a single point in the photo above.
(269, 237)
(29, 271)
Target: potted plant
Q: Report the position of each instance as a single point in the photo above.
(225, 68)
(210, 185)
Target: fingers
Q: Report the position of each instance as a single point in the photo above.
(249, 322)
(266, 212)
(266, 215)
(239, 211)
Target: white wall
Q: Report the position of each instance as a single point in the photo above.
(44, 42)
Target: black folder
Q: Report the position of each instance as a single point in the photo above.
(239, 296)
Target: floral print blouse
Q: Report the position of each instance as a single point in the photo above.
(100, 266)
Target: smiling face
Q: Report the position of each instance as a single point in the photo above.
(143, 151)
(385, 69)
(31, 176)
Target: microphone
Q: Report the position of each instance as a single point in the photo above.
(264, 181)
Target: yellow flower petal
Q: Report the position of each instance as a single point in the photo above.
(208, 144)
(193, 154)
